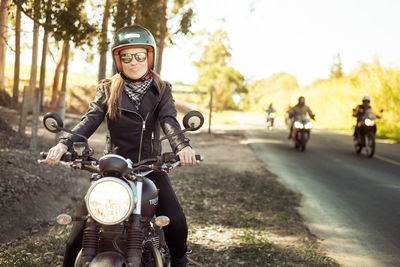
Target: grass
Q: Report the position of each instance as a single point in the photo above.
(244, 219)
(234, 218)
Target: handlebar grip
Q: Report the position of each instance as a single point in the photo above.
(198, 158)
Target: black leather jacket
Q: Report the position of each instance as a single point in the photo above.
(126, 130)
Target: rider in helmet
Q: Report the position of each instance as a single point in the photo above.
(298, 111)
(360, 111)
(136, 102)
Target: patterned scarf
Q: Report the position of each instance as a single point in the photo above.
(137, 91)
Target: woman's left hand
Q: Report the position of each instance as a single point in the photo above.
(187, 156)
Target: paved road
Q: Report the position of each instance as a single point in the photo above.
(350, 201)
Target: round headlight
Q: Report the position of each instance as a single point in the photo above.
(110, 201)
(298, 124)
(308, 125)
(369, 122)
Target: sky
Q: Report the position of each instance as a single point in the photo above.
(300, 37)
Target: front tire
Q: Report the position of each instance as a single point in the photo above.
(370, 145)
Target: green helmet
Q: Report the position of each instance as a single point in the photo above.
(134, 36)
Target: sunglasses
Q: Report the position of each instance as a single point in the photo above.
(127, 57)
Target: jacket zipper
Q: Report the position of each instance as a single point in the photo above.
(142, 131)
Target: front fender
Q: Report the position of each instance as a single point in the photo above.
(109, 258)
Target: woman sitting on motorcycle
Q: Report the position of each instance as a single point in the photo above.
(136, 102)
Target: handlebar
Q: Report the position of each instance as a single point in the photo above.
(168, 161)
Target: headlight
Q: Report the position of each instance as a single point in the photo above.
(369, 122)
(308, 125)
(110, 201)
(298, 124)
(272, 115)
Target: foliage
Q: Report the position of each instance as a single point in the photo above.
(333, 99)
(336, 70)
(278, 89)
(215, 74)
(69, 20)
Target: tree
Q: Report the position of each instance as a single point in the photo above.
(103, 42)
(214, 72)
(44, 53)
(3, 40)
(17, 57)
(336, 70)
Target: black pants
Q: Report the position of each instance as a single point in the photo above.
(168, 205)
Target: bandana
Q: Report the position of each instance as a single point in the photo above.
(136, 92)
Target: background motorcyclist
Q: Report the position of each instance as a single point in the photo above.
(270, 109)
(298, 112)
(360, 112)
(136, 102)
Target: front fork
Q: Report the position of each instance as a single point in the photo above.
(135, 231)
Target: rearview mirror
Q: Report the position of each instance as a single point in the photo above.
(193, 120)
(53, 122)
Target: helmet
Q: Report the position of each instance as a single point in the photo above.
(366, 98)
(134, 36)
(302, 99)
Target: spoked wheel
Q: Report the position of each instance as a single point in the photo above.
(370, 145)
(303, 142)
(357, 146)
(78, 260)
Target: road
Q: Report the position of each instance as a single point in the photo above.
(350, 201)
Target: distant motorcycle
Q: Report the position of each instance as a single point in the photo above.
(301, 133)
(121, 228)
(365, 135)
(270, 120)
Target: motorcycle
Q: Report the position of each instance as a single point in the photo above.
(365, 134)
(121, 228)
(270, 120)
(301, 132)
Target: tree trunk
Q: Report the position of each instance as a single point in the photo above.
(17, 57)
(57, 78)
(32, 83)
(3, 41)
(163, 34)
(43, 68)
(61, 98)
(42, 85)
(103, 46)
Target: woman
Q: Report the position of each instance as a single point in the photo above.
(135, 102)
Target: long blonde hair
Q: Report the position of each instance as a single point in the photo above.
(115, 87)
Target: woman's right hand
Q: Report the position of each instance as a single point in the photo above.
(55, 153)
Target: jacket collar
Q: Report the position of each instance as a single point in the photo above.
(149, 100)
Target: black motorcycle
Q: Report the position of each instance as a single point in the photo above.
(301, 133)
(365, 134)
(270, 120)
(121, 228)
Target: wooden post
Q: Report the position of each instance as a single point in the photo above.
(35, 119)
(210, 113)
(24, 111)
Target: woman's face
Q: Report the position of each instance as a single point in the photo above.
(134, 69)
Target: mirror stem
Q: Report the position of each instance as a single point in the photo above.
(71, 132)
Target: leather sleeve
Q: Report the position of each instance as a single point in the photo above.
(90, 121)
(169, 124)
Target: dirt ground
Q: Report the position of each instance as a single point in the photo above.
(32, 195)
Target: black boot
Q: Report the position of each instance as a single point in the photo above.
(179, 262)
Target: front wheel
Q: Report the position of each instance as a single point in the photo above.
(370, 145)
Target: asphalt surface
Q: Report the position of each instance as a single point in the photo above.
(350, 201)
